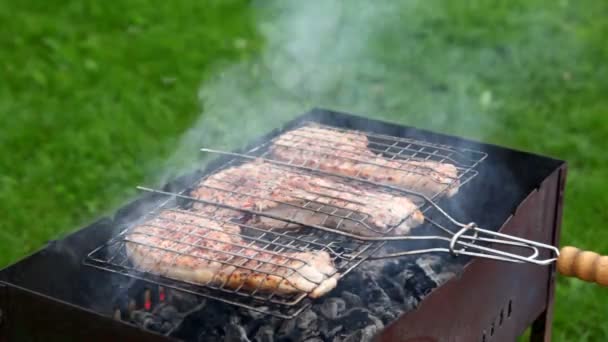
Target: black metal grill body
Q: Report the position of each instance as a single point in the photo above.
(51, 294)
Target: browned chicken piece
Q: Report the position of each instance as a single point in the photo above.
(347, 153)
(192, 248)
(307, 199)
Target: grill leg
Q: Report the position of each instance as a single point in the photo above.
(541, 328)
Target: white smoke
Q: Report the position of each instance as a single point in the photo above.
(380, 59)
(312, 57)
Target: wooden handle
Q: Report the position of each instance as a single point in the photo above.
(584, 265)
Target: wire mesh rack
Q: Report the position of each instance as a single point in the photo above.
(287, 229)
(390, 160)
(157, 249)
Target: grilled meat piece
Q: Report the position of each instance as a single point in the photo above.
(308, 199)
(192, 248)
(347, 153)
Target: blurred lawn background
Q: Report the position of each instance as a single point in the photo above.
(96, 97)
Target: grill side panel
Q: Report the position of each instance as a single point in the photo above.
(493, 299)
(29, 316)
(541, 330)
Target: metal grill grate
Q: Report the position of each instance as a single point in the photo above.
(248, 249)
(324, 148)
(327, 201)
(222, 230)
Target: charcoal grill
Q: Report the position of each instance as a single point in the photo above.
(499, 299)
(347, 250)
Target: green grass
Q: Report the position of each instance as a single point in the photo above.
(93, 96)
(96, 97)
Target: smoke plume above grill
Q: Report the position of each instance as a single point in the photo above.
(333, 55)
(337, 55)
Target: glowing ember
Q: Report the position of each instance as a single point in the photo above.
(161, 294)
(147, 300)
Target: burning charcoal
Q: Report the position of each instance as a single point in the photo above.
(254, 325)
(369, 279)
(376, 298)
(236, 333)
(138, 316)
(184, 301)
(253, 320)
(409, 304)
(206, 336)
(359, 318)
(234, 319)
(357, 336)
(256, 315)
(251, 326)
(378, 266)
(443, 277)
(328, 329)
(332, 307)
(152, 323)
(403, 277)
(304, 326)
(368, 300)
(397, 311)
(416, 282)
(351, 299)
(158, 308)
(168, 313)
(353, 280)
(275, 321)
(364, 335)
(430, 261)
(432, 267)
(264, 334)
(308, 325)
(393, 266)
(394, 290)
(287, 328)
(387, 315)
(165, 328)
(307, 320)
(390, 314)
